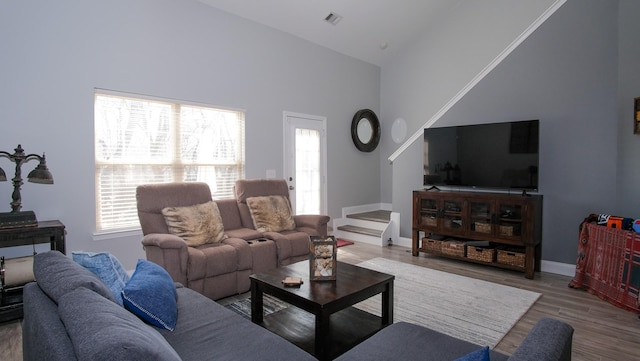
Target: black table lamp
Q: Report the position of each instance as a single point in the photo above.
(40, 174)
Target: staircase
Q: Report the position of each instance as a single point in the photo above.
(369, 224)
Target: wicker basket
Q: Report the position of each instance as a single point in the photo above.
(506, 231)
(511, 257)
(483, 254)
(454, 248)
(431, 245)
(429, 221)
(483, 227)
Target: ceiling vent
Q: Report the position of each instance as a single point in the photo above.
(333, 18)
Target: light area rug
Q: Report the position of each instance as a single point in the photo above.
(474, 310)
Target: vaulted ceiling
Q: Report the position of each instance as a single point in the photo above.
(369, 30)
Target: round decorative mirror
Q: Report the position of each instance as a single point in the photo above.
(365, 130)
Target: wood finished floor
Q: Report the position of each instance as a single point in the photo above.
(602, 331)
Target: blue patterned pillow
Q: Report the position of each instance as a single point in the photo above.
(151, 295)
(107, 268)
(477, 355)
(58, 275)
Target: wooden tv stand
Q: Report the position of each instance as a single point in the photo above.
(511, 223)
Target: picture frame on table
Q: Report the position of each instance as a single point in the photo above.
(322, 258)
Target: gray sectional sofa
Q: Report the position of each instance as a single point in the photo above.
(548, 340)
(69, 314)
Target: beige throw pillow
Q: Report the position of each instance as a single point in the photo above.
(197, 225)
(271, 213)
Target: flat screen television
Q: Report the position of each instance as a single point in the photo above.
(483, 156)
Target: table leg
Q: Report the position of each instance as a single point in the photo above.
(529, 260)
(415, 238)
(58, 242)
(323, 335)
(256, 303)
(387, 304)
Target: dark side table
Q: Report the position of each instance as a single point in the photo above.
(52, 232)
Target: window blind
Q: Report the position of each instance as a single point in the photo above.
(141, 140)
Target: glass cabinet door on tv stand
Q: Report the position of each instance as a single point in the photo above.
(441, 215)
(500, 219)
(453, 222)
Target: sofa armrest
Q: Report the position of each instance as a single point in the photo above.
(315, 222)
(168, 241)
(168, 251)
(548, 340)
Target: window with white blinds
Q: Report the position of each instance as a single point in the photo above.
(142, 140)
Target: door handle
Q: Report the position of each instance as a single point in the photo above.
(291, 188)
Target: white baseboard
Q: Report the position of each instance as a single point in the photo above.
(558, 268)
(402, 242)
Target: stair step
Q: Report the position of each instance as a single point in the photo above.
(361, 230)
(375, 216)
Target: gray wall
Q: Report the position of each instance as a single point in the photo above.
(55, 53)
(422, 78)
(628, 189)
(565, 74)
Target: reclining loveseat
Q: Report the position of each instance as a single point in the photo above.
(221, 266)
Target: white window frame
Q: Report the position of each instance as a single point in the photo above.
(172, 167)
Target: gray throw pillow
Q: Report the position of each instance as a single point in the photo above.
(102, 330)
(57, 275)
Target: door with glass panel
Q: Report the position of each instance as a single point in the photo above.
(305, 159)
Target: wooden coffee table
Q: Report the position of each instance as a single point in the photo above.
(323, 322)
